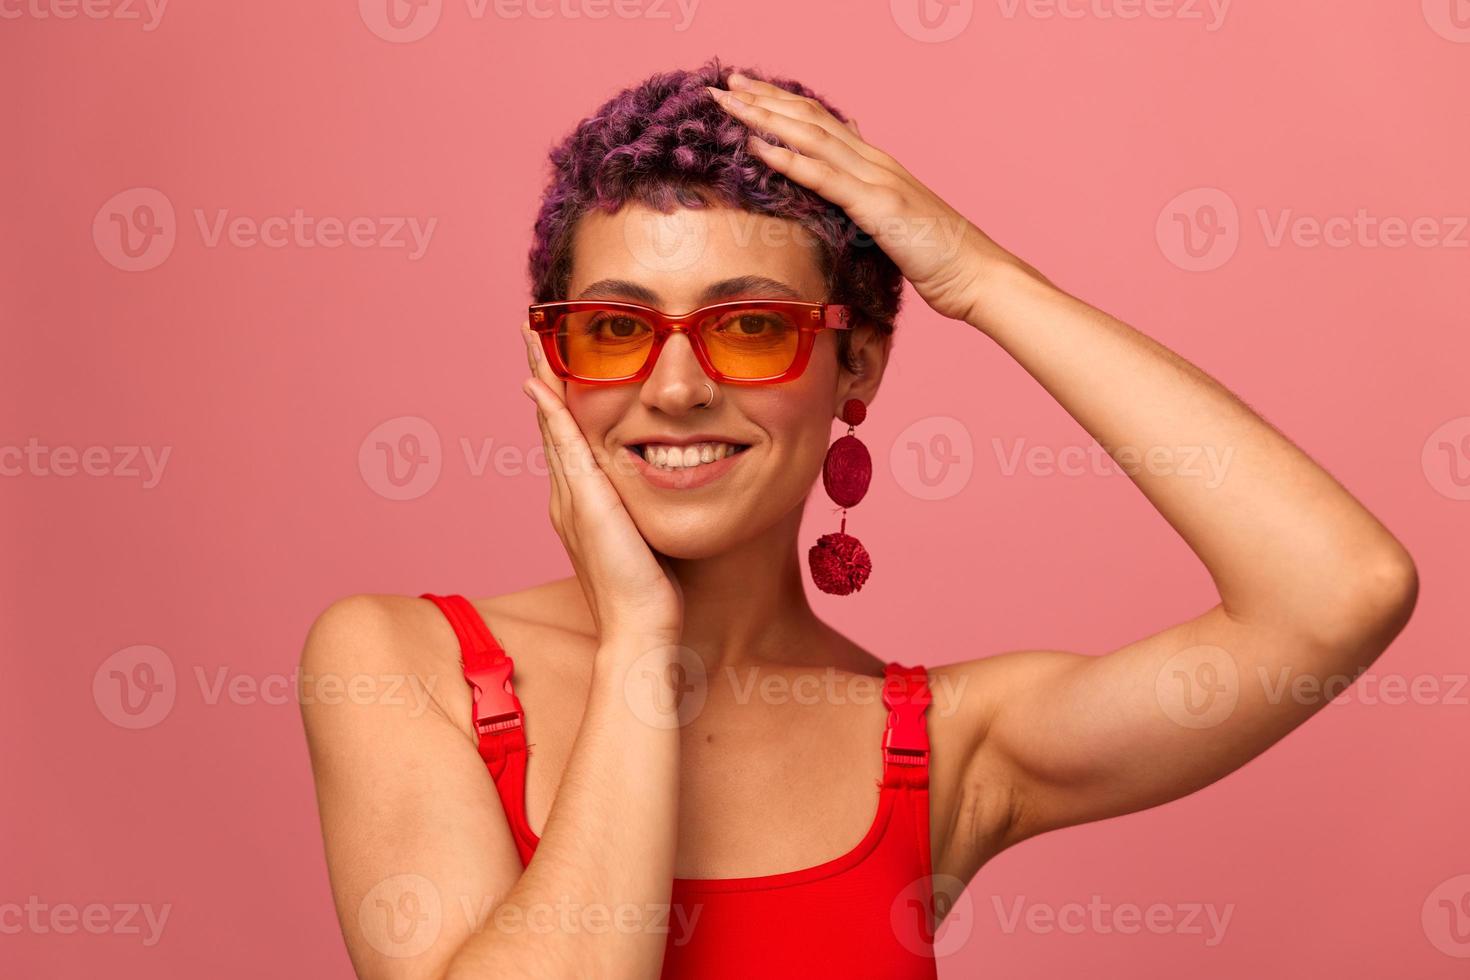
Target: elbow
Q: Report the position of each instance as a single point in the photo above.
(1376, 607)
(1392, 589)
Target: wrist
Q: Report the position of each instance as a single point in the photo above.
(1001, 278)
(618, 651)
(647, 679)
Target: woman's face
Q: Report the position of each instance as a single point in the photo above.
(677, 263)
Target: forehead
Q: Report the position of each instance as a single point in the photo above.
(692, 256)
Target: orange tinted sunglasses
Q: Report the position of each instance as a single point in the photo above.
(598, 342)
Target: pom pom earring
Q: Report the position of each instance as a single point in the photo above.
(839, 562)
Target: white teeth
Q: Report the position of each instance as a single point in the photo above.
(680, 457)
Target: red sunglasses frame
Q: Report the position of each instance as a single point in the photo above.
(810, 318)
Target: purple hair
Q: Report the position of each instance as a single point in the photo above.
(665, 143)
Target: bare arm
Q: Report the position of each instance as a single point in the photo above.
(423, 867)
(1310, 584)
(408, 808)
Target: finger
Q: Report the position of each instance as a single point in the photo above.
(578, 465)
(808, 111)
(560, 493)
(537, 361)
(852, 195)
(744, 83)
(808, 136)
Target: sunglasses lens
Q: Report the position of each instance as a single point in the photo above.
(604, 344)
(743, 342)
(751, 343)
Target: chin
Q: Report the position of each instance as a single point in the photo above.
(687, 542)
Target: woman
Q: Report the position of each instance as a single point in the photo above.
(677, 812)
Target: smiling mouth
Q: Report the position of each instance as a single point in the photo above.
(686, 457)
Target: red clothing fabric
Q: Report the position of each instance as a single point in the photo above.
(866, 913)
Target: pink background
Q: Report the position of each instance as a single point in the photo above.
(263, 371)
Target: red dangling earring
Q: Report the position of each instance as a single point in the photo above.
(839, 562)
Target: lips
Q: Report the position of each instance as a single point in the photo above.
(642, 449)
(684, 477)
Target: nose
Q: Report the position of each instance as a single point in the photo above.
(677, 382)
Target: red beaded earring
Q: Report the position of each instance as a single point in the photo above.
(839, 562)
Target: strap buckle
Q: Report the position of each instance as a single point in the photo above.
(906, 739)
(497, 709)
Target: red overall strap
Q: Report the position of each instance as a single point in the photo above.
(906, 694)
(498, 718)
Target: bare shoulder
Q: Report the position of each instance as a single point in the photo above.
(974, 778)
(548, 616)
(392, 647)
(376, 639)
(973, 692)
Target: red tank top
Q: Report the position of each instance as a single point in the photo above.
(866, 913)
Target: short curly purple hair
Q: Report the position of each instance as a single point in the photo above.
(665, 144)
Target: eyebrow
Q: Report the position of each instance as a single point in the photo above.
(762, 287)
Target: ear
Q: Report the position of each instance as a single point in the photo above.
(869, 352)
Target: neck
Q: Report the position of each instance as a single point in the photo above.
(748, 605)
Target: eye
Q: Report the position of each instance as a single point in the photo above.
(615, 326)
(751, 325)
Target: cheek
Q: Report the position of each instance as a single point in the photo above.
(798, 423)
(595, 410)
